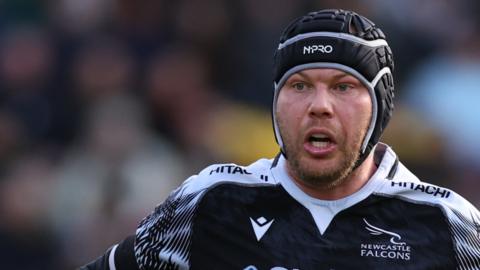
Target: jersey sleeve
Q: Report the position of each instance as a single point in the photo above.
(163, 238)
(464, 221)
(118, 257)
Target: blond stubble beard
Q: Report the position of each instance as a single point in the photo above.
(325, 179)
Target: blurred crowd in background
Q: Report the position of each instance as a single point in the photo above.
(108, 105)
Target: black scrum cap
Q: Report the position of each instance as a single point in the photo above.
(346, 41)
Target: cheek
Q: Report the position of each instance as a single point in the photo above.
(354, 112)
(287, 118)
(360, 114)
(366, 109)
(288, 112)
(290, 104)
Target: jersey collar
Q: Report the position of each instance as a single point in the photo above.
(323, 211)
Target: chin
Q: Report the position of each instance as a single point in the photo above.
(330, 163)
(319, 167)
(321, 172)
(323, 180)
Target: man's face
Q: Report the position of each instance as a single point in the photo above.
(323, 115)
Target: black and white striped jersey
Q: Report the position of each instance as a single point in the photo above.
(256, 218)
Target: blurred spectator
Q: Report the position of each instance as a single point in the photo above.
(113, 178)
(80, 16)
(26, 58)
(144, 25)
(445, 90)
(26, 240)
(418, 29)
(240, 133)
(207, 26)
(141, 19)
(13, 12)
(186, 106)
(27, 62)
(116, 170)
(252, 47)
(102, 67)
(203, 23)
(181, 99)
(12, 140)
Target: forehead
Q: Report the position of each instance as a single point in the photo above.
(322, 74)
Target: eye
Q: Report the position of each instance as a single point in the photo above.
(343, 87)
(300, 86)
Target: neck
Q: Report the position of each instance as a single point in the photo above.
(351, 184)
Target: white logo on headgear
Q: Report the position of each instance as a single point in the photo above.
(317, 48)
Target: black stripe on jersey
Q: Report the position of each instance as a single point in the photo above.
(275, 161)
(467, 239)
(393, 170)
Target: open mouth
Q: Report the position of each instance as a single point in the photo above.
(320, 140)
(320, 143)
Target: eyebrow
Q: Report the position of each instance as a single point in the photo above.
(342, 75)
(301, 74)
(337, 76)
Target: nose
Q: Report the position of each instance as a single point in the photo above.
(321, 103)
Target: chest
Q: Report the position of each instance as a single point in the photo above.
(241, 228)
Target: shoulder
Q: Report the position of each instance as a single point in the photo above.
(462, 217)
(163, 238)
(405, 185)
(408, 187)
(257, 173)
